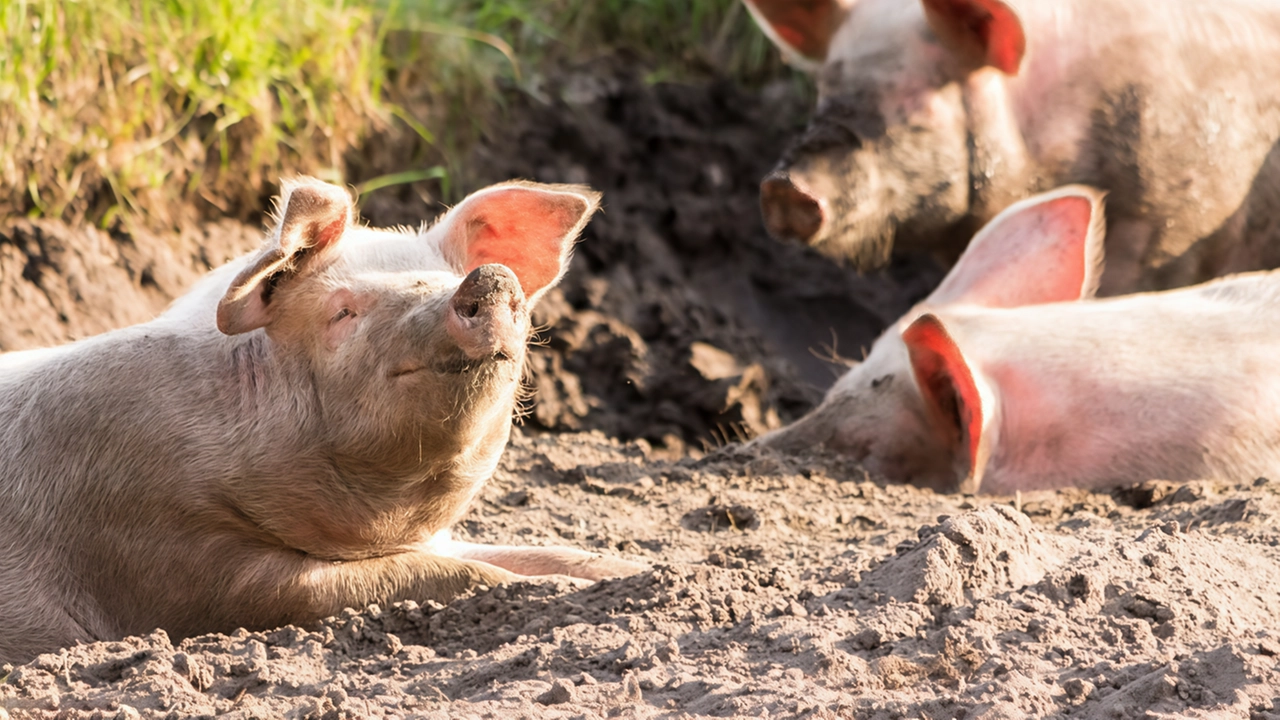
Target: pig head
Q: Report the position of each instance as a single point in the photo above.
(294, 436)
(934, 115)
(1001, 381)
(910, 411)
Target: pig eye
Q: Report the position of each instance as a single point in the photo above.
(344, 312)
(884, 380)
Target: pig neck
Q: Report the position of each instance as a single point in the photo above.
(382, 497)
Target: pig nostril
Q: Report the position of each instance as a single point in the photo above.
(789, 212)
(471, 310)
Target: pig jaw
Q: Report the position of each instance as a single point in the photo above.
(403, 456)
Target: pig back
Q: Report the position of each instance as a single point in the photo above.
(1177, 385)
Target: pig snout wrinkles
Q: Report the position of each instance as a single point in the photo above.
(486, 314)
(790, 211)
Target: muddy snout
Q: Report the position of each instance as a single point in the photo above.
(487, 315)
(791, 211)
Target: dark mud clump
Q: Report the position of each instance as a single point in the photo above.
(680, 316)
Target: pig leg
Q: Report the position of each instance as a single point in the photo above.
(528, 560)
(39, 626)
(283, 589)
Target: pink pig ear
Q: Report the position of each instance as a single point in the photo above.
(313, 217)
(801, 28)
(981, 32)
(950, 390)
(528, 227)
(1047, 248)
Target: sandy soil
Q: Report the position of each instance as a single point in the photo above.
(781, 587)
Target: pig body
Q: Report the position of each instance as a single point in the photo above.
(999, 382)
(933, 115)
(294, 436)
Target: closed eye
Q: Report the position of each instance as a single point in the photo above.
(344, 312)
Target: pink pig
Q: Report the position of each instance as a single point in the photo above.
(934, 115)
(294, 436)
(1001, 381)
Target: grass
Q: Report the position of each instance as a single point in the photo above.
(140, 109)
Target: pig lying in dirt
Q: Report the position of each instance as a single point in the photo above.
(999, 381)
(293, 437)
(933, 115)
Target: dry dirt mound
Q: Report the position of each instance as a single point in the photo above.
(840, 598)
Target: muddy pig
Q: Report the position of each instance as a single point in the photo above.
(294, 436)
(933, 115)
(1001, 381)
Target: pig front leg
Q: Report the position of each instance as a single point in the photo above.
(529, 560)
(325, 588)
(282, 591)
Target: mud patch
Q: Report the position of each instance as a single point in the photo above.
(713, 518)
(58, 283)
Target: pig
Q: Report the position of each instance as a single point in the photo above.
(934, 115)
(293, 437)
(1002, 380)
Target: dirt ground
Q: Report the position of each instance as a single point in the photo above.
(781, 587)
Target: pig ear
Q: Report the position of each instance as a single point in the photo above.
(981, 32)
(313, 216)
(801, 28)
(951, 392)
(1047, 248)
(528, 227)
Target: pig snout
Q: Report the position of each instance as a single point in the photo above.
(791, 212)
(487, 316)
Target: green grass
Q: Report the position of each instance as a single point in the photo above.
(138, 109)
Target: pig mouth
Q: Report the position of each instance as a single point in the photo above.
(458, 364)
